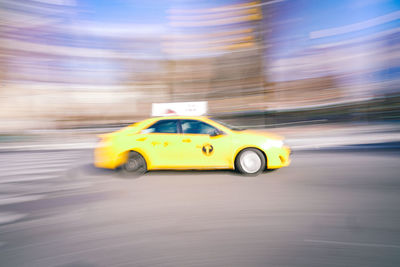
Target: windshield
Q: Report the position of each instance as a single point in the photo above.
(232, 127)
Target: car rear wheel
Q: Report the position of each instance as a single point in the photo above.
(135, 165)
(250, 161)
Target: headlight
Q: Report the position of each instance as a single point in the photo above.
(273, 143)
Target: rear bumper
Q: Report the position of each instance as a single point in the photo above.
(105, 157)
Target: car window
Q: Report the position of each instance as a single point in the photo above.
(162, 126)
(197, 127)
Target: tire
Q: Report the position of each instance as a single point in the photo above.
(250, 162)
(135, 165)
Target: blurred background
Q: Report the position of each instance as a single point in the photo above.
(74, 63)
(325, 74)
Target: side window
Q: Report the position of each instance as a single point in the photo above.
(162, 126)
(197, 127)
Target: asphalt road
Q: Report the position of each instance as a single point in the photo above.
(339, 208)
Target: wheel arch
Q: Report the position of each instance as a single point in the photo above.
(247, 147)
(123, 156)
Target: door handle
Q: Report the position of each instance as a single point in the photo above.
(186, 140)
(155, 143)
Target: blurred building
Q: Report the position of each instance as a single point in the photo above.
(58, 70)
(216, 54)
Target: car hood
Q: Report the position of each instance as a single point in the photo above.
(260, 134)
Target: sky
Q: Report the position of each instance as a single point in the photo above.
(297, 20)
(296, 27)
(139, 11)
(123, 11)
(295, 23)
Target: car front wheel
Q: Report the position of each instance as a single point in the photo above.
(250, 162)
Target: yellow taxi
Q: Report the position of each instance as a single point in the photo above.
(182, 142)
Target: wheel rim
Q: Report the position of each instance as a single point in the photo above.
(133, 164)
(250, 162)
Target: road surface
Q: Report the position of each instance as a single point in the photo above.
(337, 208)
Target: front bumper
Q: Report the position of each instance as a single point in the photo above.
(278, 157)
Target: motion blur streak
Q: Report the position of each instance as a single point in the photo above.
(63, 61)
(324, 74)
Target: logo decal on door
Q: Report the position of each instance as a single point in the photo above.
(207, 149)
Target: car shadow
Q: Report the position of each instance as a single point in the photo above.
(89, 170)
(191, 172)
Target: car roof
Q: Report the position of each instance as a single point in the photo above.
(180, 117)
(149, 121)
(174, 117)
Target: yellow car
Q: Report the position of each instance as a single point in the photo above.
(182, 142)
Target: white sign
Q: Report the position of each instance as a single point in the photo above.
(179, 108)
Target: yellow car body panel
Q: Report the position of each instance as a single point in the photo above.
(187, 151)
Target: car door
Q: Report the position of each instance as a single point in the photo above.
(161, 142)
(204, 146)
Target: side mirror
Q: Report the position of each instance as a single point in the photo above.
(146, 131)
(215, 133)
